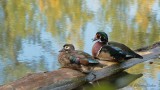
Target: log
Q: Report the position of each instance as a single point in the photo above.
(66, 79)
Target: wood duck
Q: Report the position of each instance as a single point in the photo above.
(111, 51)
(75, 59)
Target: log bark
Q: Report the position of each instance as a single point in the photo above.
(66, 79)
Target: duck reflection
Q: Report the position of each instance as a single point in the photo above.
(113, 82)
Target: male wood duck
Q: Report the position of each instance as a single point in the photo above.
(75, 59)
(111, 51)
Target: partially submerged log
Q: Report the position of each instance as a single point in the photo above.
(66, 79)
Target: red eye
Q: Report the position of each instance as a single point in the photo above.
(98, 36)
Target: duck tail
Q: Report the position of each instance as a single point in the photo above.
(139, 56)
(101, 65)
(96, 63)
(93, 61)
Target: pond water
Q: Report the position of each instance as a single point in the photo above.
(33, 31)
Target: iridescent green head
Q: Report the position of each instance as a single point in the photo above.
(102, 36)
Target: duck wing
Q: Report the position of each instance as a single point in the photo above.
(110, 53)
(127, 50)
(84, 54)
(80, 57)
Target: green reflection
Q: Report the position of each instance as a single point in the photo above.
(132, 22)
(114, 82)
(65, 16)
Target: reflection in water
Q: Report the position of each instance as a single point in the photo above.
(113, 82)
(151, 76)
(31, 32)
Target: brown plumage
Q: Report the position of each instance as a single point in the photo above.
(75, 59)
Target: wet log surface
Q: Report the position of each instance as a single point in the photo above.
(66, 79)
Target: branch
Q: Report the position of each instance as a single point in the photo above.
(66, 79)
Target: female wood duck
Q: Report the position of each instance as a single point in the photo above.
(111, 51)
(75, 59)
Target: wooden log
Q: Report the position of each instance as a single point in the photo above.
(58, 79)
(66, 79)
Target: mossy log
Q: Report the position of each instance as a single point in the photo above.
(67, 79)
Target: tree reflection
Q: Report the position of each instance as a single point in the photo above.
(132, 28)
(132, 22)
(65, 19)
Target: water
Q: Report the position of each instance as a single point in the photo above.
(33, 31)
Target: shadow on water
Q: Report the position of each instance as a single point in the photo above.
(113, 82)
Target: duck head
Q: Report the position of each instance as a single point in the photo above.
(67, 48)
(101, 36)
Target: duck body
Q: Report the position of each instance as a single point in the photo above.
(76, 59)
(125, 49)
(111, 51)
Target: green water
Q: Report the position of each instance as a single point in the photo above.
(33, 31)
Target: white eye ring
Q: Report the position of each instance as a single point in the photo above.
(66, 47)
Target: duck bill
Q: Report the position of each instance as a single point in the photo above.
(95, 39)
(61, 50)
